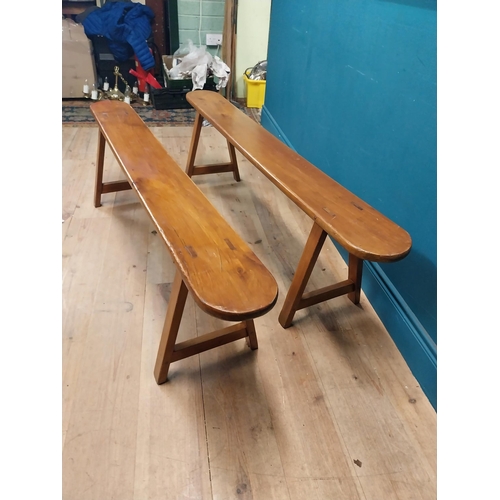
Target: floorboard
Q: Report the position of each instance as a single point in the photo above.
(325, 409)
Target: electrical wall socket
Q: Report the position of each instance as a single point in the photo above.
(213, 40)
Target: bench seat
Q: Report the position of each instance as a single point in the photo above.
(364, 232)
(224, 276)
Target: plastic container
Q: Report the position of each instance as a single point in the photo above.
(167, 98)
(183, 84)
(256, 92)
(170, 99)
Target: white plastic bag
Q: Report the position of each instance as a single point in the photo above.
(195, 57)
(184, 49)
(197, 63)
(199, 76)
(221, 70)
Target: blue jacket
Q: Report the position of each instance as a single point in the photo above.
(127, 26)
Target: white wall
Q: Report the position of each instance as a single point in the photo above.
(252, 38)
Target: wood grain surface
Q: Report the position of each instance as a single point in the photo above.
(359, 228)
(327, 409)
(226, 278)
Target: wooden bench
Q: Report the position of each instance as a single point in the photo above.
(223, 275)
(363, 231)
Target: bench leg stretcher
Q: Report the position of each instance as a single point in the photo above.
(296, 298)
(169, 351)
(192, 169)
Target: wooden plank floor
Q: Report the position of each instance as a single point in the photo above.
(326, 409)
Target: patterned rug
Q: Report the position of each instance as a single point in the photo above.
(76, 113)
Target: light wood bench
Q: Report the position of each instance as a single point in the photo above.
(363, 231)
(224, 276)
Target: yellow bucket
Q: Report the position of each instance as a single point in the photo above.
(256, 92)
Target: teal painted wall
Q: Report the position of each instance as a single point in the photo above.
(352, 87)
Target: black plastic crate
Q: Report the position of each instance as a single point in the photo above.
(174, 98)
(169, 99)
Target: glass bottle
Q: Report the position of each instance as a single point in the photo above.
(127, 95)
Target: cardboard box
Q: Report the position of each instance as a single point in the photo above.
(78, 62)
(181, 84)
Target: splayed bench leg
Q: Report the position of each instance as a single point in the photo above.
(100, 186)
(302, 274)
(296, 298)
(169, 351)
(101, 144)
(175, 309)
(355, 273)
(192, 169)
(195, 139)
